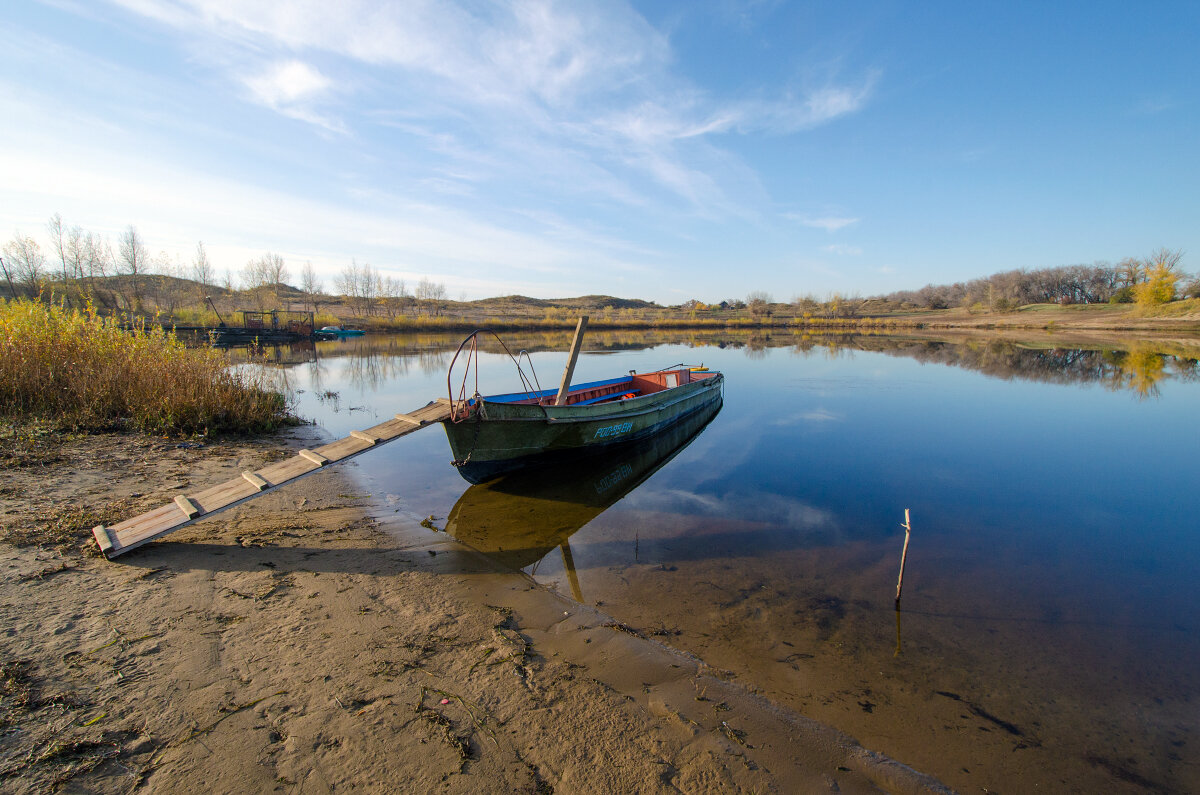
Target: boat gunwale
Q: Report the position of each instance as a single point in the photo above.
(521, 398)
(638, 406)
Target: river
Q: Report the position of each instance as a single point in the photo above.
(1049, 629)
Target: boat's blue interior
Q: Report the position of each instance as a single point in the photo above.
(515, 397)
(614, 389)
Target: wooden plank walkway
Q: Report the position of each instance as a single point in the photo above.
(185, 509)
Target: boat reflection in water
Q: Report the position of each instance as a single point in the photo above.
(519, 518)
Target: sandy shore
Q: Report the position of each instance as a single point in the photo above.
(311, 641)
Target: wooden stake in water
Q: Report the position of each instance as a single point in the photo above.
(903, 556)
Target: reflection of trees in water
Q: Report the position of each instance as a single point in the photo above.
(368, 371)
(1187, 368)
(316, 376)
(756, 347)
(433, 362)
(1139, 368)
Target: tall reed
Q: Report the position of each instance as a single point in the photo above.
(75, 369)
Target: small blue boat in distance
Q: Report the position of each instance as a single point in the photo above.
(331, 332)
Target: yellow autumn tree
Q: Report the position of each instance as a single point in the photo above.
(1159, 287)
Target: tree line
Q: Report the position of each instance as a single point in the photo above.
(1154, 279)
(78, 264)
(84, 267)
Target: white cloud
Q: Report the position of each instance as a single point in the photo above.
(810, 109)
(464, 251)
(843, 250)
(828, 223)
(817, 415)
(776, 509)
(590, 84)
(1153, 105)
(291, 88)
(288, 82)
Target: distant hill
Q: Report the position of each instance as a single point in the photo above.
(582, 302)
(172, 291)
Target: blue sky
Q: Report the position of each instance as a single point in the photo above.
(656, 150)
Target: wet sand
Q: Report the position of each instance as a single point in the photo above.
(989, 696)
(312, 640)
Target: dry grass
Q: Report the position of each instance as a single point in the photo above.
(77, 370)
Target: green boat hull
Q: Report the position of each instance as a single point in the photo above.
(500, 437)
(517, 518)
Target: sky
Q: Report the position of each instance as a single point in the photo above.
(655, 150)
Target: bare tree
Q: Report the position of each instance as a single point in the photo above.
(423, 289)
(58, 239)
(805, 303)
(97, 256)
(167, 284)
(310, 285)
(274, 270)
(348, 282)
(202, 269)
(134, 262)
(1165, 258)
(392, 295)
(361, 284)
(12, 288)
(27, 261)
(434, 293)
(256, 280)
(68, 243)
(759, 303)
(97, 261)
(1130, 270)
(1191, 288)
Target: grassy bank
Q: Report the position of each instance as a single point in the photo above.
(861, 316)
(72, 369)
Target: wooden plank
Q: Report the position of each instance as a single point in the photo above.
(316, 458)
(185, 505)
(184, 510)
(101, 536)
(255, 481)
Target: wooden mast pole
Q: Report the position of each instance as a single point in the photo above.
(576, 344)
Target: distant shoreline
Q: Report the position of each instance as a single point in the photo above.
(1037, 317)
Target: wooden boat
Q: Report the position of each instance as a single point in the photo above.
(494, 434)
(499, 433)
(519, 517)
(337, 331)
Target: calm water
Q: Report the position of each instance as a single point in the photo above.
(1050, 630)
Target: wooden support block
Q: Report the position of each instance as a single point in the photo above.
(100, 533)
(185, 505)
(255, 481)
(316, 458)
(366, 437)
(407, 418)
